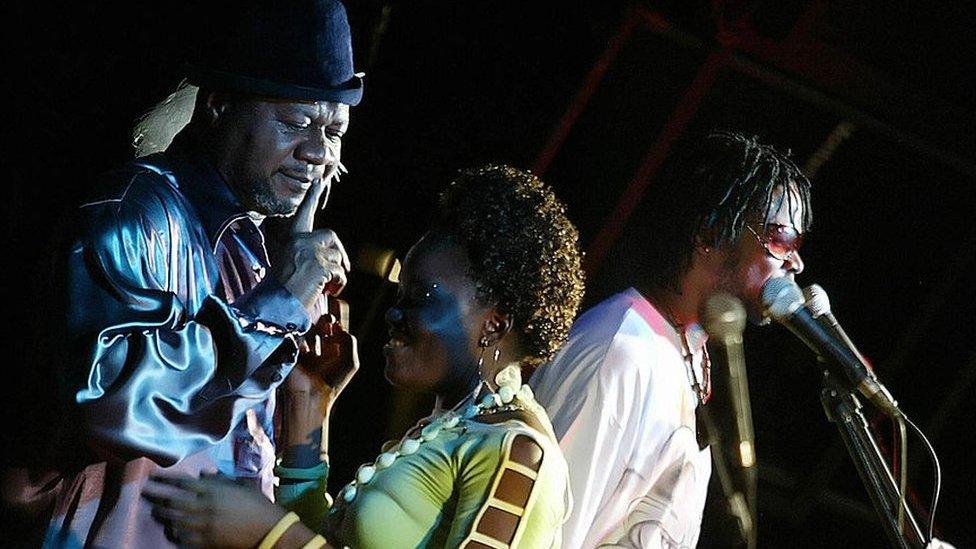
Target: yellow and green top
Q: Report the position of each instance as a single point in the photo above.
(496, 480)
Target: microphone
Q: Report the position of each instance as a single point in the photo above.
(819, 305)
(724, 319)
(783, 302)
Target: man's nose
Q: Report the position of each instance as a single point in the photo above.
(795, 263)
(317, 150)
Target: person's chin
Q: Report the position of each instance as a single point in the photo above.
(288, 210)
(276, 205)
(280, 212)
(394, 369)
(284, 207)
(406, 376)
(754, 310)
(289, 193)
(389, 370)
(399, 376)
(289, 200)
(388, 374)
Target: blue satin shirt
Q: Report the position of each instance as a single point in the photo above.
(178, 340)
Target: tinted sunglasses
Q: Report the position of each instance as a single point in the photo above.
(779, 241)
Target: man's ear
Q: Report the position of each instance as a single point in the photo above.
(705, 241)
(496, 325)
(216, 105)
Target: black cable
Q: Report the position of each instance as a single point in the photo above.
(938, 475)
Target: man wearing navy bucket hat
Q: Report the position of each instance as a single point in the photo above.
(177, 327)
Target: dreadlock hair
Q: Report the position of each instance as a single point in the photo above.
(706, 193)
(523, 252)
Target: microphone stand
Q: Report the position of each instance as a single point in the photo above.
(844, 410)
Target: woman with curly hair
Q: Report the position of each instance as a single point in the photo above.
(486, 295)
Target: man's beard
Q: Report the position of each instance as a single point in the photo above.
(731, 282)
(264, 201)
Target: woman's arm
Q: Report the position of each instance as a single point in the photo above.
(325, 366)
(305, 425)
(512, 513)
(324, 369)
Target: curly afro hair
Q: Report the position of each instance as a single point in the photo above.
(523, 251)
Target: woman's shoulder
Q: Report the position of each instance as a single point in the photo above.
(515, 432)
(520, 420)
(524, 472)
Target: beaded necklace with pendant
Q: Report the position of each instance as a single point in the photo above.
(511, 395)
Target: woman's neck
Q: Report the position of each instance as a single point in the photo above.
(450, 398)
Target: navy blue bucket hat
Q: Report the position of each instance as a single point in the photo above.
(292, 50)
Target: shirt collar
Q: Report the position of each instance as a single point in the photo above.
(204, 187)
(659, 323)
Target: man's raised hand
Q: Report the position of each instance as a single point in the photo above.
(313, 261)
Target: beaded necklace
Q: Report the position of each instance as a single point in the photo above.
(705, 393)
(511, 395)
(703, 389)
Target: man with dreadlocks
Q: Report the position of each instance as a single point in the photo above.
(623, 392)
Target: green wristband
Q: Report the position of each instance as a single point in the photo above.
(303, 473)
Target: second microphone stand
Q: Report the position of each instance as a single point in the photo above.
(844, 410)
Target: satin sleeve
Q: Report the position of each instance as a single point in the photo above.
(159, 367)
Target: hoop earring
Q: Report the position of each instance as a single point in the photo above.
(494, 368)
(483, 343)
(481, 359)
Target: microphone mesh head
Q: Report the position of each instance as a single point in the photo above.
(817, 300)
(780, 298)
(724, 316)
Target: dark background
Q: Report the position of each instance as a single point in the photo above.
(450, 84)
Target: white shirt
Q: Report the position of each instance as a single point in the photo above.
(621, 403)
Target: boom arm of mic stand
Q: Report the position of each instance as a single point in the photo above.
(844, 410)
